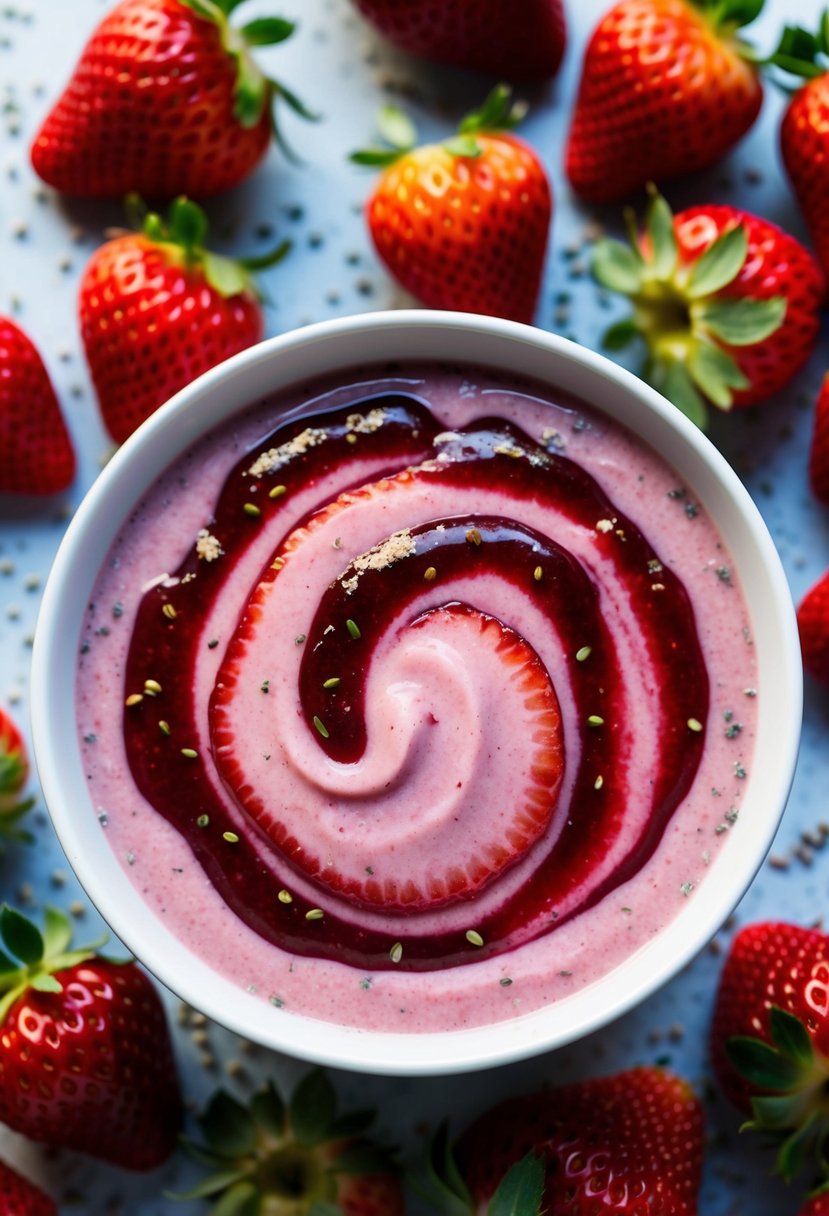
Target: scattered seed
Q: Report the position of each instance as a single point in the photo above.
(694, 724)
(430, 574)
(189, 752)
(583, 653)
(354, 629)
(595, 720)
(473, 536)
(474, 938)
(505, 982)
(396, 952)
(230, 837)
(314, 914)
(202, 821)
(251, 509)
(277, 491)
(152, 687)
(135, 698)
(285, 897)
(169, 611)
(598, 783)
(321, 727)
(538, 574)
(164, 727)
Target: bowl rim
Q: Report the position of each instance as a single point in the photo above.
(384, 1052)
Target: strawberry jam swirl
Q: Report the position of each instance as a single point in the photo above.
(416, 738)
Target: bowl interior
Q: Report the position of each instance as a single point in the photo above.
(328, 347)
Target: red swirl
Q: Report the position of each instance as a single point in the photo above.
(340, 809)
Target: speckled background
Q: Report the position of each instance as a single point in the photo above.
(340, 67)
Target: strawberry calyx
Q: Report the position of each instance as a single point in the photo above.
(183, 235)
(521, 1190)
(254, 90)
(795, 1113)
(498, 113)
(727, 18)
(282, 1157)
(680, 311)
(802, 53)
(30, 959)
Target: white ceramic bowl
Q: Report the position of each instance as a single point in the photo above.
(330, 347)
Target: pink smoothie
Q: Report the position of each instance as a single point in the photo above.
(419, 702)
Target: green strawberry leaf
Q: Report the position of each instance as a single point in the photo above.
(267, 31)
(20, 937)
(521, 1190)
(242, 1199)
(293, 101)
(680, 389)
(264, 260)
(762, 1065)
(251, 92)
(463, 146)
(715, 373)
(224, 275)
(796, 1150)
(660, 228)
(46, 983)
(498, 113)
(214, 1184)
(268, 1110)
(791, 1036)
(229, 1127)
(617, 267)
(620, 334)
(779, 1111)
(396, 128)
(738, 12)
(375, 158)
(719, 265)
(798, 50)
(57, 932)
(313, 1108)
(741, 322)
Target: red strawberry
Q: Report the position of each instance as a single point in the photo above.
(727, 303)
(804, 130)
(165, 99)
(36, 454)
(770, 1035)
(19, 1197)
(664, 91)
(85, 1056)
(463, 224)
(817, 1205)
(628, 1143)
(819, 452)
(14, 773)
(157, 309)
(485, 36)
(813, 624)
(294, 1159)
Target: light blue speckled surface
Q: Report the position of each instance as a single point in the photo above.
(342, 69)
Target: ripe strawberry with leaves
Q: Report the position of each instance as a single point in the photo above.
(86, 1061)
(819, 448)
(462, 224)
(804, 129)
(770, 1038)
(36, 453)
(19, 1197)
(813, 626)
(667, 87)
(157, 309)
(727, 304)
(628, 1143)
(276, 1159)
(483, 37)
(14, 773)
(165, 99)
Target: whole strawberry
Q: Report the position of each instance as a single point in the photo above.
(157, 309)
(804, 129)
(813, 626)
(667, 87)
(463, 224)
(819, 449)
(19, 1197)
(276, 1159)
(14, 773)
(85, 1056)
(484, 36)
(770, 1037)
(727, 304)
(166, 99)
(628, 1143)
(36, 453)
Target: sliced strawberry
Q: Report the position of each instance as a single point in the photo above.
(488, 817)
(819, 451)
(19, 1197)
(813, 624)
(36, 455)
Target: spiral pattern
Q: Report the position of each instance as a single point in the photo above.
(440, 671)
